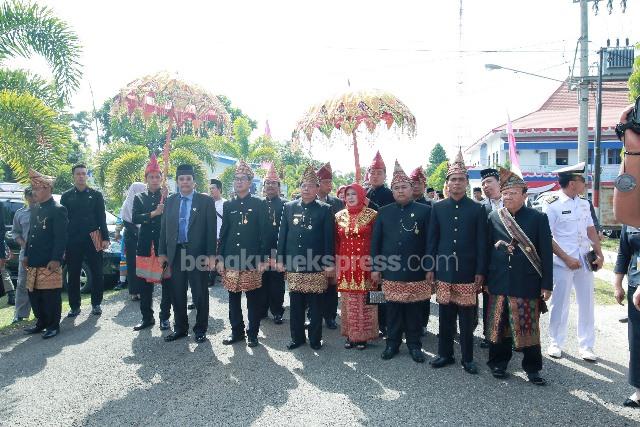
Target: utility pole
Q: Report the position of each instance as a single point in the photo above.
(583, 85)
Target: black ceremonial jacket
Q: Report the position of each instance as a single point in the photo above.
(513, 275)
(307, 231)
(86, 213)
(381, 196)
(458, 240)
(273, 211)
(399, 241)
(241, 237)
(143, 205)
(47, 234)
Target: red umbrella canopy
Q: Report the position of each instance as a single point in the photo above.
(165, 96)
(347, 111)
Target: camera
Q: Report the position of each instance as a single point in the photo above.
(633, 121)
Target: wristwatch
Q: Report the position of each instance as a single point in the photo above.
(625, 183)
(621, 127)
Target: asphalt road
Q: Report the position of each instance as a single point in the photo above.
(98, 371)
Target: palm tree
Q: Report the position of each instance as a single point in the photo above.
(32, 131)
(122, 163)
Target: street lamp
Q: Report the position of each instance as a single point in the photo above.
(491, 67)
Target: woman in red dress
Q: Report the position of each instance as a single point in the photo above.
(354, 226)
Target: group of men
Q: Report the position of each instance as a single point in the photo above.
(456, 248)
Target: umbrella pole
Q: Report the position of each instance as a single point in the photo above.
(165, 153)
(356, 156)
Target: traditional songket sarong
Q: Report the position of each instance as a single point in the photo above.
(514, 317)
(354, 226)
(149, 268)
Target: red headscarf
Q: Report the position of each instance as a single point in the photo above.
(343, 189)
(362, 198)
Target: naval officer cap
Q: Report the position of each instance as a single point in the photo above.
(569, 171)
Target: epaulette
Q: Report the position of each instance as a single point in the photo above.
(551, 199)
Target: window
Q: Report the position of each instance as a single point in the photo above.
(544, 158)
(590, 157)
(562, 156)
(613, 156)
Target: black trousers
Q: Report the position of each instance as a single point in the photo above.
(485, 313)
(47, 307)
(426, 312)
(134, 283)
(467, 316)
(298, 301)
(407, 318)
(382, 318)
(500, 355)
(634, 340)
(146, 300)
(77, 252)
(254, 301)
(198, 280)
(330, 303)
(272, 293)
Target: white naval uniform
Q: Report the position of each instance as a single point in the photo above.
(569, 219)
(219, 204)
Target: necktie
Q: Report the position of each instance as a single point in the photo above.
(182, 224)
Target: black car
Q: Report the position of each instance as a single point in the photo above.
(13, 200)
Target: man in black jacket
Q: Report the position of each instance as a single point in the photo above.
(85, 207)
(272, 280)
(188, 247)
(242, 250)
(457, 244)
(400, 234)
(147, 212)
(306, 252)
(330, 298)
(43, 257)
(520, 278)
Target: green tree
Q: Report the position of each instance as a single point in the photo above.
(236, 112)
(33, 134)
(439, 176)
(634, 79)
(27, 28)
(81, 123)
(437, 156)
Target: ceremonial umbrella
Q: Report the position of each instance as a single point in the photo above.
(165, 96)
(348, 111)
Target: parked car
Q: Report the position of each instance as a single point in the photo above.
(12, 199)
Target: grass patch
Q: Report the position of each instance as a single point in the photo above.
(7, 311)
(603, 292)
(610, 244)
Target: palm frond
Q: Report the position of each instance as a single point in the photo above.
(112, 152)
(123, 171)
(27, 28)
(201, 147)
(23, 81)
(31, 135)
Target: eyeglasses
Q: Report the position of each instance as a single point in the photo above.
(240, 178)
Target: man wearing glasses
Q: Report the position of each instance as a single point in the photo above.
(573, 237)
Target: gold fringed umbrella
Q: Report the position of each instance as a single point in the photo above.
(165, 96)
(348, 111)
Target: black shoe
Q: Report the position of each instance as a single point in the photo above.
(175, 336)
(233, 339)
(417, 355)
(11, 297)
(382, 333)
(348, 345)
(33, 330)
(470, 367)
(277, 320)
(191, 306)
(441, 362)
(74, 312)
(165, 325)
(50, 334)
(484, 343)
(252, 342)
(361, 345)
(388, 353)
(96, 310)
(630, 403)
(499, 373)
(316, 345)
(200, 338)
(536, 379)
(293, 345)
(331, 324)
(144, 325)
